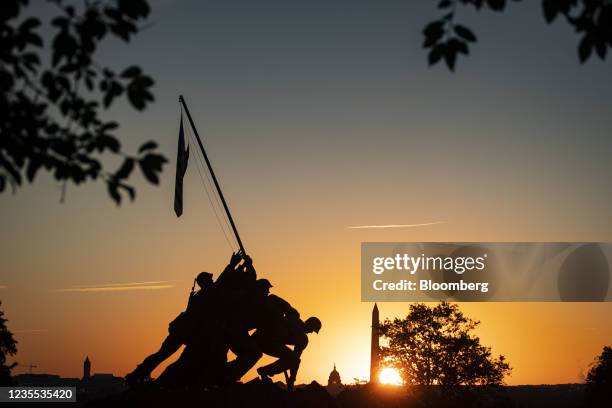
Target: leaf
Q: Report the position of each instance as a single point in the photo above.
(434, 28)
(465, 33)
(113, 190)
(131, 71)
(496, 5)
(149, 173)
(107, 142)
(585, 49)
(64, 46)
(433, 34)
(115, 90)
(450, 57)
(151, 164)
(134, 8)
(601, 49)
(60, 22)
(34, 39)
(130, 190)
(109, 126)
(436, 53)
(138, 92)
(33, 166)
(459, 46)
(150, 145)
(29, 24)
(550, 9)
(13, 172)
(125, 170)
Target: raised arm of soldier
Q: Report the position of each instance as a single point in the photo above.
(249, 269)
(230, 270)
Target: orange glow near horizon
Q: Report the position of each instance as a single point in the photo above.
(390, 376)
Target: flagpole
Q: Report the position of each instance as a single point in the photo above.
(212, 173)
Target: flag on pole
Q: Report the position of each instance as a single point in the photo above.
(182, 157)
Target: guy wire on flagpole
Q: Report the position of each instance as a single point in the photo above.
(206, 182)
(217, 202)
(212, 174)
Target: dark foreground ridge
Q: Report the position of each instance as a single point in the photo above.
(255, 393)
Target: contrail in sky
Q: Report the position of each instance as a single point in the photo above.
(396, 225)
(117, 287)
(128, 284)
(30, 331)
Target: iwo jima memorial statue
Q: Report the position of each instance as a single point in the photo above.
(223, 311)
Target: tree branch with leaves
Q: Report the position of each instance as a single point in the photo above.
(8, 347)
(446, 38)
(50, 114)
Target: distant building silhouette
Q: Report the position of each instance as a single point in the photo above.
(99, 384)
(334, 377)
(334, 383)
(86, 368)
(375, 349)
(45, 380)
(89, 387)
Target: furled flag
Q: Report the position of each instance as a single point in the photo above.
(182, 157)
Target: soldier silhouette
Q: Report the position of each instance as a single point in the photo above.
(222, 323)
(273, 339)
(218, 318)
(244, 317)
(239, 299)
(180, 330)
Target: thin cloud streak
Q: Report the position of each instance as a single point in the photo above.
(113, 288)
(427, 224)
(3, 287)
(109, 285)
(30, 331)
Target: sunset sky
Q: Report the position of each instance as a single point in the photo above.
(319, 116)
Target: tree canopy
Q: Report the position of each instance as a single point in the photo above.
(599, 380)
(51, 105)
(8, 347)
(436, 346)
(446, 38)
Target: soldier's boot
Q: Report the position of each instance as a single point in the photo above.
(264, 375)
(139, 376)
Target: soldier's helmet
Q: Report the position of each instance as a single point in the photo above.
(313, 324)
(263, 285)
(204, 279)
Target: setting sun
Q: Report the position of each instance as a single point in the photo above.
(390, 376)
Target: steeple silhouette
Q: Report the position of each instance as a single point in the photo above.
(86, 368)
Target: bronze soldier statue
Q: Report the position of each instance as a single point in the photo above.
(274, 341)
(184, 327)
(279, 327)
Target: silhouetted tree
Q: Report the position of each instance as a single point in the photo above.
(8, 347)
(50, 112)
(446, 38)
(435, 346)
(599, 380)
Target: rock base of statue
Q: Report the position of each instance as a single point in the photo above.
(255, 393)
